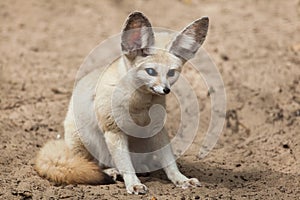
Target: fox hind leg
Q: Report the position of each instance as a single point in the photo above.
(113, 173)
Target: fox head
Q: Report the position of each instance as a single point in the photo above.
(156, 70)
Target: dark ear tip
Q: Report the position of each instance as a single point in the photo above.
(139, 18)
(204, 19)
(203, 22)
(135, 14)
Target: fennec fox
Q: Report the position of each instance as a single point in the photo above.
(150, 73)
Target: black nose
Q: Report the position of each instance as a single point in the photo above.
(166, 90)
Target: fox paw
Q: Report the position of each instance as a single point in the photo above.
(192, 182)
(112, 172)
(137, 189)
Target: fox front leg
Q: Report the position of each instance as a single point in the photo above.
(178, 178)
(117, 143)
(168, 162)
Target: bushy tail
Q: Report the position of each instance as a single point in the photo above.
(56, 162)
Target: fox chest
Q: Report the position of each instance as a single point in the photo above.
(140, 116)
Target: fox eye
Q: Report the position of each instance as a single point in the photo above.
(171, 72)
(151, 71)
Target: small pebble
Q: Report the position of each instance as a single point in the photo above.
(58, 136)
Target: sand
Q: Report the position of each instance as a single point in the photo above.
(254, 44)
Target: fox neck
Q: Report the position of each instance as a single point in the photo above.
(140, 100)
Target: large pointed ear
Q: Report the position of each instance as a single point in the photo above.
(188, 41)
(137, 36)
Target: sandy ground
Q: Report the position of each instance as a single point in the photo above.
(255, 44)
